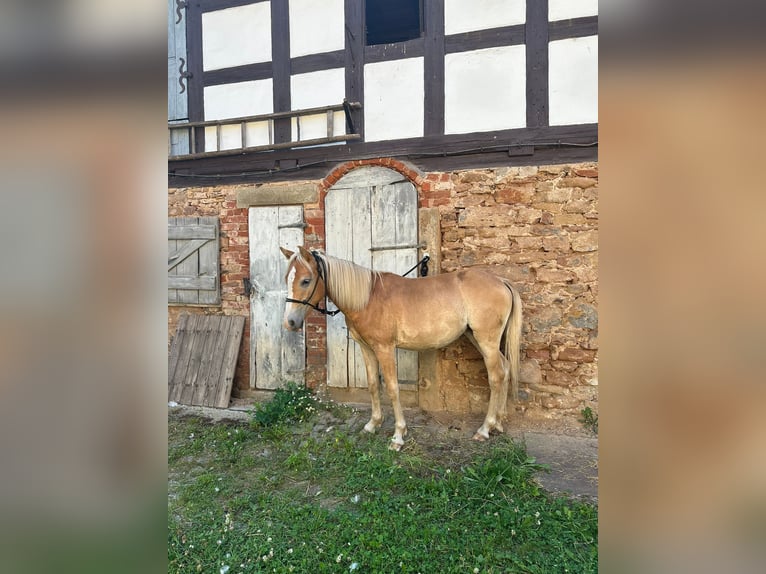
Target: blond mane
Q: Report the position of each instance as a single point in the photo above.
(348, 285)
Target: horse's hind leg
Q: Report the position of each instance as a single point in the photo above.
(373, 384)
(387, 358)
(489, 347)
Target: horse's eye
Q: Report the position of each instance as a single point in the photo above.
(305, 282)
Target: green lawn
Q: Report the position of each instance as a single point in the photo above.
(246, 498)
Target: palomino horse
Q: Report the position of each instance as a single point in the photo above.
(384, 311)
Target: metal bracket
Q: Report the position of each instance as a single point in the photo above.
(180, 4)
(183, 75)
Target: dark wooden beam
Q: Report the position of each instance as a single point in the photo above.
(574, 28)
(259, 71)
(537, 63)
(280, 66)
(195, 83)
(354, 58)
(480, 39)
(317, 62)
(433, 65)
(513, 146)
(399, 51)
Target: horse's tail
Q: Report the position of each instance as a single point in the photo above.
(513, 340)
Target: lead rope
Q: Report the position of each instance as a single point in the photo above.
(423, 266)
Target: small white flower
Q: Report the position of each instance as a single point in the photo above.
(268, 539)
(224, 569)
(289, 550)
(537, 514)
(217, 489)
(475, 571)
(339, 558)
(191, 435)
(354, 566)
(220, 542)
(513, 532)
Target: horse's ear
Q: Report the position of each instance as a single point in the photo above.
(306, 254)
(286, 252)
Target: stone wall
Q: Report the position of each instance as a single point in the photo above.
(537, 226)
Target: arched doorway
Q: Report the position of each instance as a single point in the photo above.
(371, 218)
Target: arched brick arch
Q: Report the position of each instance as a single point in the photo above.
(406, 170)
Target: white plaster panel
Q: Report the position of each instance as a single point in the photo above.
(238, 99)
(315, 89)
(393, 99)
(485, 90)
(468, 15)
(573, 81)
(236, 36)
(316, 26)
(566, 9)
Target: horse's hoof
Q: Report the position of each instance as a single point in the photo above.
(397, 446)
(370, 428)
(480, 437)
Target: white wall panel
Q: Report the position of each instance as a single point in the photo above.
(573, 81)
(239, 99)
(566, 9)
(468, 15)
(485, 90)
(315, 89)
(236, 36)
(393, 99)
(316, 26)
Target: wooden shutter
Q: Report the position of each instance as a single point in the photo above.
(193, 275)
(178, 101)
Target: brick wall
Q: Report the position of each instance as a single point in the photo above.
(234, 260)
(537, 226)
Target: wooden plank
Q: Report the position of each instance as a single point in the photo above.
(208, 265)
(293, 343)
(339, 231)
(203, 359)
(188, 248)
(189, 267)
(191, 285)
(211, 328)
(359, 205)
(192, 231)
(172, 248)
(406, 233)
(183, 393)
(175, 349)
(280, 56)
(233, 342)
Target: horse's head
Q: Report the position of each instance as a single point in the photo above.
(305, 286)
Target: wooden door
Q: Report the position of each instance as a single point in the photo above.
(372, 220)
(277, 356)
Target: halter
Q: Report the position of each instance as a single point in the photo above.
(321, 274)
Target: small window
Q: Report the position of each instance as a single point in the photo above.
(389, 21)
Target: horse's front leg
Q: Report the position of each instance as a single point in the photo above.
(373, 384)
(387, 358)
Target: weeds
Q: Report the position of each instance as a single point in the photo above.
(589, 420)
(294, 403)
(342, 502)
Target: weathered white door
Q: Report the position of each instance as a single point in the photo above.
(277, 356)
(371, 219)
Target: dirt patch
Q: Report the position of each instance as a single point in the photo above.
(569, 451)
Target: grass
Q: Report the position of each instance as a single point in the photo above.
(589, 420)
(255, 498)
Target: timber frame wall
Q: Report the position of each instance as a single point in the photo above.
(537, 143)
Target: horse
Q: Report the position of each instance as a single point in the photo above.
(384, 311)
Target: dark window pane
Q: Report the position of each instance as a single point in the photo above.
(389, 21)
